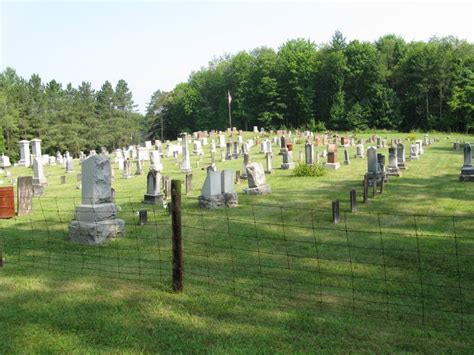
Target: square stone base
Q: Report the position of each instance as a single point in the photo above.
(286, 166)
(92, 233)
(332, 166)
(38, 190)
(96, 213)
(218, 201)
(259, 190)
(467, 174)
(153, 199)
(393, 172)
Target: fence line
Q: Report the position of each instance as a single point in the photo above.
(398, 267)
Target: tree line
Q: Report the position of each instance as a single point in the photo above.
(388, 84)
(66, 118)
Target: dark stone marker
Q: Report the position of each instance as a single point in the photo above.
(24, 193)
(112, 194)
(79, 177)
(142, 217)
(353, 201)
(335, 211)
(63, 180)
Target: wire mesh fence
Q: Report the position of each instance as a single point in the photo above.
(397, 267)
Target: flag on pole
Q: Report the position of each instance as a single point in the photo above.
(229, 97)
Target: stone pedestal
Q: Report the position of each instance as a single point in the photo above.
(218, 201)
(467, 174)
(153, 199)
(96, 218)
(258, 190)
(95, 224)
(332, 166)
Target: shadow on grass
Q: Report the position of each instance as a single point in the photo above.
(50, 313)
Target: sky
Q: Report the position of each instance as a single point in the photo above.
(157, 44)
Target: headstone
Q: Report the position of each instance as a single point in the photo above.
(153, 194)
(347, 159)
(69, 165)
(96, 217)
(268, 163)
(186, 163)
(4, 161)
(375, 174)
(392, 168)
(332, 162)
(39, 180)
(139, 167)
(309, 154)
(63, 179)
(256, 180)
(228, 151)
(222, 143)
(414, 152)
(420, 147)
(126, 169)
(360, 151)
(287, 159)
(155, 161)
(24, 193)
(246, 161)
(401, 156)
(24, 153)
(36, 147)
(236, 152)
(467, 170)
(189, 183)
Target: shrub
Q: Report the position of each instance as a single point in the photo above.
(412, 136)
(309, 170)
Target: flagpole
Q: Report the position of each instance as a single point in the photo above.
(230, 116)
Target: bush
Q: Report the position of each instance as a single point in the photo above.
(412, 136)
(309, 170)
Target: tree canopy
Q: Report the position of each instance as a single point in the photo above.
(356, 85)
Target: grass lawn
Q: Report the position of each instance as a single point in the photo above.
(273, 275)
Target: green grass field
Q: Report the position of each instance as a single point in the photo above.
(273, 275)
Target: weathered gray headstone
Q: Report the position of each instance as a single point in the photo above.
(347, 159)
(309, 154)
(401, 156)
(25, 159)
(153, 194)
(96, 217)
(287, 157)
(392, 168)
(467, 170)
(24, 193)
(256, 180)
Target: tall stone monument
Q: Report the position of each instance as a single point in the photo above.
(24, 153)
(36, 147)
(467, 171)
(392, 168)
(96, 218)
(186, 163)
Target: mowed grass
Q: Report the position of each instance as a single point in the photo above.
(271, 275)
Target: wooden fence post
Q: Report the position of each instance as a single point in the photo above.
(176, 235)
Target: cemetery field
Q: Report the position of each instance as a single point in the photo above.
(274, 274)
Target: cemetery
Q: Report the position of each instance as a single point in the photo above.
(83, 226)
(236, 177)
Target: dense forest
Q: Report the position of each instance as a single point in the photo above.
(389, 84)
(67, 118)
